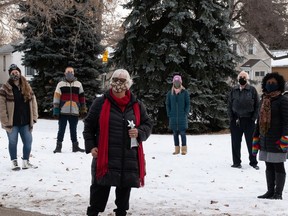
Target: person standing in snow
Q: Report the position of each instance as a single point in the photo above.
(243, 109)
(114, 129)
(18, 113)
(271, 134)
(178, 107)
(68, 105)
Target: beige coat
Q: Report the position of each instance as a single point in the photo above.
(7, 108)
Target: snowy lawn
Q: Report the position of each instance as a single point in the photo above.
(199, 183)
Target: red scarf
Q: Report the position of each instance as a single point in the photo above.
(102, 159)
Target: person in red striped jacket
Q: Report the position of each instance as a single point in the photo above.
(68, 104)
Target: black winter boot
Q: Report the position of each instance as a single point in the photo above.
(58, 147)
(76, 148)
(280, 182)
(120, 212)
(270, 178)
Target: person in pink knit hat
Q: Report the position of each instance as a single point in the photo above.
(178, 107)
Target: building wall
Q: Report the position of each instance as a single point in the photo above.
(6, 59)
(281, 70)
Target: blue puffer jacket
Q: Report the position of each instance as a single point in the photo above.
(177, 107)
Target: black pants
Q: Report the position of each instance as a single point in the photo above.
(246, 126)
(99, 196)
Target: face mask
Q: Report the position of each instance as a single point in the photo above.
(242, 81)
(14, 77)
(118, 86)
(69, 77)
(270, 87)
(177, 85)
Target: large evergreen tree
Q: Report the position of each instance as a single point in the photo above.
(191, 38)
(68, 39)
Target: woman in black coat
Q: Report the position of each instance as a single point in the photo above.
(114, 129)
(271, 134)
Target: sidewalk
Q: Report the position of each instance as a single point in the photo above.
(17, 212)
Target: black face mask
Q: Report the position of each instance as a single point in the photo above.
(242, 81)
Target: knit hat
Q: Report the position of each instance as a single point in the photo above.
(13, 67)
(177, 78)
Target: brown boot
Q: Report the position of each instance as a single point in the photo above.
(177, 150)
(184, 150)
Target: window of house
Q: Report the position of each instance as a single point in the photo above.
(259, 73)
(29, 71)
(250, 49)
(4, 63)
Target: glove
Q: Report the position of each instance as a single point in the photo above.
(255, 145)
(83, 111)
(283, 143)
(56, 112)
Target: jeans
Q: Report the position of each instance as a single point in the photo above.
(176, 134)
(73, 121)
(26, 137)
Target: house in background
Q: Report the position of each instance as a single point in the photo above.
(255, 61)
(281, 65)
(9, 56)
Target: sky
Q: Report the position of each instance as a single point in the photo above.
(199, 183)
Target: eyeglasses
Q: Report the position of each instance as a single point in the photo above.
(116, 79)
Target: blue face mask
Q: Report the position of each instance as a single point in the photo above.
(70, 77)
(270, 87)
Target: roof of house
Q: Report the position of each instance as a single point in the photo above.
(250, 63)
(280, 62)
(8, 48)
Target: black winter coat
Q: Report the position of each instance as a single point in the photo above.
(278, 126)
(243, 103)
(123, 168)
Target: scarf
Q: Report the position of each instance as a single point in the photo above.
(265, 111)
(102, 159)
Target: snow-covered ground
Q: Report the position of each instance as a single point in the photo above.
(199, 183)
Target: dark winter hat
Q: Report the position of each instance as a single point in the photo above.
(177, 78)
(13, 67)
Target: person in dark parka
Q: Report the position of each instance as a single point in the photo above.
(243, 109)
(178, 107)
(114, 129)
(271, 134)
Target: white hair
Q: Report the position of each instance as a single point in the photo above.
(243, 73)
(122, 73)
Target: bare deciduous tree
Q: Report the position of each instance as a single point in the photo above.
(266, 20)
(108, 14)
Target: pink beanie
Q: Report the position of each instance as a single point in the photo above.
(177, 78)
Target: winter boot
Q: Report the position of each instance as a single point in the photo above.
(280, 182)
(270, 179)
(91, 211)
(76, 148)
(15, 166)
(120, 212)
(177, 150)
(58, 147)
(184, 150)
(27, 165)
